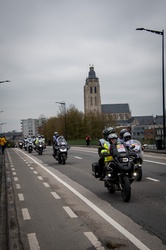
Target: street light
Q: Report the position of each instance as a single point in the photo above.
(163, 88)
(64, 104)
(4, 81)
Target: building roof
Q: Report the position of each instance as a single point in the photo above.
(158, 119)
(115, 108)
(143, 120)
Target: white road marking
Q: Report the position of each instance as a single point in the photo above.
(33, 243)
(78, 157)
(35, 172)
(46, 184)
(18, 186)
(25, 214)
(70, 212)
(149, 178)
(15, 178)
(14, 173)
(56, 196)
(95, 242)
(21, 197)
(156, 162)
(31, 168)
(106, 217)
(40, 178)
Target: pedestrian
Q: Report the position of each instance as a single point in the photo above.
(3, 144)
(87, 140)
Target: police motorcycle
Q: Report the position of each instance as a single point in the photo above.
(29, 145)
(135, 153)
(60, 148)
(118, 171)
(40, 145)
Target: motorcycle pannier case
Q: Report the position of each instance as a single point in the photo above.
(95, 169)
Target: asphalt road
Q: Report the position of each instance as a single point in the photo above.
(64, 207)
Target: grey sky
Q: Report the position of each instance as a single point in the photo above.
(46, 47)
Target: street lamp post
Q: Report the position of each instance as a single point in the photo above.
(163, 87)
(4, 81)
(64, 104)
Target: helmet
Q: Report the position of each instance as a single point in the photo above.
(56, 134)
(108, 131)
(122, 132)
(112, 136)
(127, 136)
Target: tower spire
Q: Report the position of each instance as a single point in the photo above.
(92, 99)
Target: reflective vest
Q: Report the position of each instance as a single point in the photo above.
(106, 151)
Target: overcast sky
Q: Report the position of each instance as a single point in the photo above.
(46, 47)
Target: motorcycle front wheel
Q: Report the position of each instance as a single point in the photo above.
(63, 159)
(126, 189)
(139, 174)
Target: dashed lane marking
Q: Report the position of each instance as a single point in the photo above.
(56, 196)
(25, 214)
(33, 242)
(149, 178)
(35, 172)
(70, 212)
(46, 184)
(78, 157)
(40, 178)
(95, 242)
(18, 186)
(21, 197)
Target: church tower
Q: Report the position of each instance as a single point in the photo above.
(92, 99)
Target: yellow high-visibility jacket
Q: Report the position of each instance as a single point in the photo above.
(106, 152)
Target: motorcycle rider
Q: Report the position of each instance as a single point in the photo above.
(103, 144)
(126, 137)
(122, 132)
(109, 150)
(55, 142)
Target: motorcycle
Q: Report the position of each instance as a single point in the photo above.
(20, 144)
(29, 145)
(39, 147)
(136, 154)
(118, 173)
(61, 150)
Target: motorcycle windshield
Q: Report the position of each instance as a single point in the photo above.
(137, 145)
(121, 149)
(62, 142)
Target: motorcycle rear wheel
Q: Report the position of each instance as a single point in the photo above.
(126, 189)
